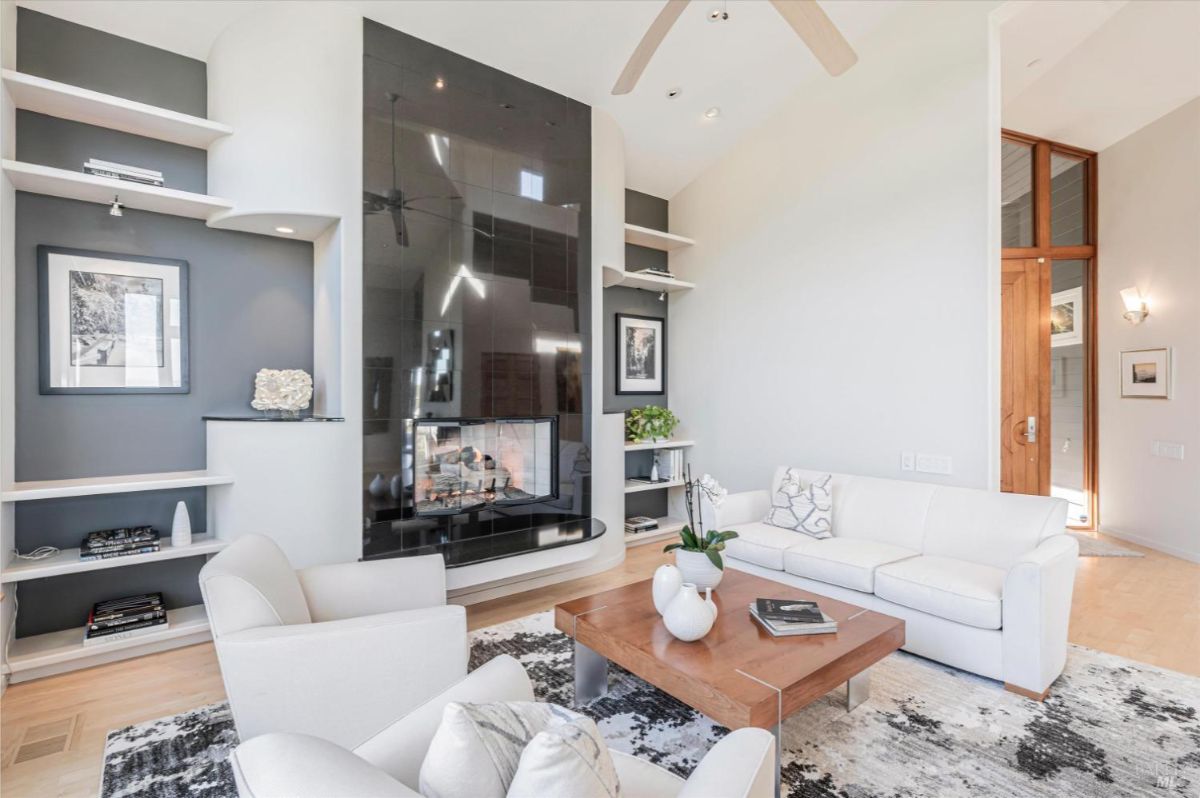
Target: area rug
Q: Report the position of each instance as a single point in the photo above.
(1110, 727)
(1099, 547)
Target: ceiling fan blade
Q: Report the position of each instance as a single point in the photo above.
(820, 34)
(648, 45)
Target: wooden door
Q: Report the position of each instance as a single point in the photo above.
(1025, 376)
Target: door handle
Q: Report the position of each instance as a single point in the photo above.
(1031, 429)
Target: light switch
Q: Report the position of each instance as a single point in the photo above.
(908, 461)
(1167, 449)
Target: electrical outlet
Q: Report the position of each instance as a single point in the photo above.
(935, 463)
(908, 461)
(1167, 449)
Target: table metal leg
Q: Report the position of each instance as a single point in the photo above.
(858, 690)
(591, 674)
(778, 732)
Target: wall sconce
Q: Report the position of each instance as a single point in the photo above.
(1135, 306)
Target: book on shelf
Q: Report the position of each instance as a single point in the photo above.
(640, 523)
(119, 171)
(654, 272)
(670, 463)
(106, 543)
(775, 628)
(119, 619)
(149, 615)
(89, 556)
(125, 632)
(648, 480)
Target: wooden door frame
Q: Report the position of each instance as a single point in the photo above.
(1044, 250)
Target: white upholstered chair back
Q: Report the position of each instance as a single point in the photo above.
(251, 584)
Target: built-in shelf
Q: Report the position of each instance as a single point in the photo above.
(650, 282)
(303, 226)
(649, 445)
(56, 182)
(96, 486)
(56, 648)
(667, 527)
(52, 98)
(633, 486)
(67, 561)
(654, 239)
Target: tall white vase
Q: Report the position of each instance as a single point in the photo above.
(666, 584)
(181, 526)
(698, 569)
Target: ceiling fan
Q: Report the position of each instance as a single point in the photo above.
(806, 18)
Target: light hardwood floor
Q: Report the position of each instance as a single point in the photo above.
(1147, 609)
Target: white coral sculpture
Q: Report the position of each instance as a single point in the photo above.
(282, 389)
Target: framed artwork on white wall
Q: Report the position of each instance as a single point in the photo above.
(1146, 373)
(111, 323)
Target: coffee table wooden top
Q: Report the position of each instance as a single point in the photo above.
(722, 674)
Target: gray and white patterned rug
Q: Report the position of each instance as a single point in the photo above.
(1110, 727)
(1102, 547)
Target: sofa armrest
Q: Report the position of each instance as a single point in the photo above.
(738, 508)
(284, 765)
(348, 590)
(341, 680)
(741, 765)
(1037, 613)
(400, 748)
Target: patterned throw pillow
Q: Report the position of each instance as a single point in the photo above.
(801, 507)
(568, 758)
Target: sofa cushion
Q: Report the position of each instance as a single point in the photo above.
(956, 590)
(844, 561)
(763, 544)
(989, 527)
(803, 505)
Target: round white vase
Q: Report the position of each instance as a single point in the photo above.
(698, 569)
(688, 616)
(666, 584)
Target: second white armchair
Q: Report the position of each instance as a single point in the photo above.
(335, 651)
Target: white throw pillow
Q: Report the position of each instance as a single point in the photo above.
(801, 507)
(568, 758)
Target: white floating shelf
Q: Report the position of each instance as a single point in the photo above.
(97, 486)
(633, 486)
(304, 226)
(67, 561)
(651, 282)
(91, 188)
(648, 445)
(52, 98)
(56, 648)
(667, 527)
(655, 239)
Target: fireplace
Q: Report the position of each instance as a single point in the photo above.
(466, 465)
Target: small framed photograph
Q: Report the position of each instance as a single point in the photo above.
(1146, 374)
(111, 323)
(641, 354)
(1066, 317)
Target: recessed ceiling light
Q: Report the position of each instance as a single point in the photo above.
(1033, 63)
(439, 84)
(712, 113)
(673, 93)
(287, 231)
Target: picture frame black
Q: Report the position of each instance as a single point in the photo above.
(47, 383)
(626, 385)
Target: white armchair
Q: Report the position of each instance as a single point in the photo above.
(742, 765)
(336, 651)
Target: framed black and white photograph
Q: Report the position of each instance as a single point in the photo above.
(641, 354)
(1066, 317)
(1146, 374)
(111, 323)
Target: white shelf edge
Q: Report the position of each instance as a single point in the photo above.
(56, 182)
(667, 527)
(641, 447)
(655, 239)
(43, 96)
(54, 648)
(99, 486)
(67, 561)
(305, 225)
(638, 487)
(613, 276)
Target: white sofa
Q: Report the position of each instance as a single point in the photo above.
(741, 765)
(982, 579)
(338, 651)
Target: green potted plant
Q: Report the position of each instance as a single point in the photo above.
(651, 423)
(698, 553)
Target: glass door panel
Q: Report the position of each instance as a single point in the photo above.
(1016, 186)
(1068, 200)
(1069, 393)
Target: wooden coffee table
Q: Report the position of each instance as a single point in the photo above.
(738, 674)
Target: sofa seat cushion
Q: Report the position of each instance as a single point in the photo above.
(763, 544)
(956, 590)
(847, 562)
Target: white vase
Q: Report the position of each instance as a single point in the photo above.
(666, 584)
(378, 486)
(181, 526)
(698, 569)
(688, 616)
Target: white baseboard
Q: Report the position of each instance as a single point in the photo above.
(1142, 540)
(474, 595)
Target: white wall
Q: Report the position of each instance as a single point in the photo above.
(845, 263)
(1149, 236)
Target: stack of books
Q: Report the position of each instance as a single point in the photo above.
(670, 464)
(790, 617)
(120, 171)
(119, 543)
(123, 618)
(639, 523)
(655, 272)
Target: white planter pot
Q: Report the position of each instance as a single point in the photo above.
(689, 617)
(698, 569)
